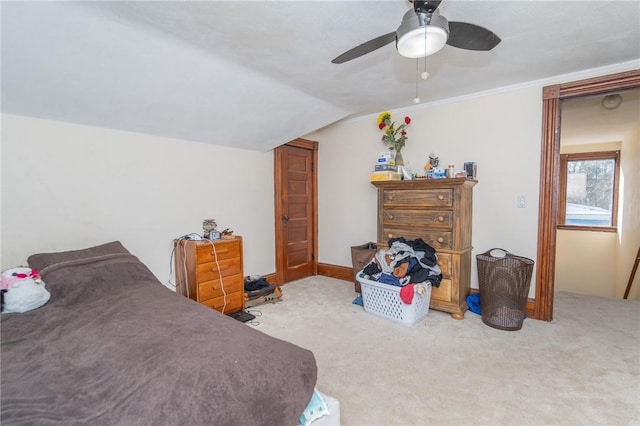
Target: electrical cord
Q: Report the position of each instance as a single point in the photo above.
(224, 293)
(256, 314)
(184, 268)
(194, 237)
(171, 257)
(186, 238)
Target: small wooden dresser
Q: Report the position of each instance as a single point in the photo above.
(210, 272)
(439, 212)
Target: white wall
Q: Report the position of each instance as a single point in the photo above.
(67, 186)
(501, 132)
(586, 262)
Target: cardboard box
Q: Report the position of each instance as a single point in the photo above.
(385, 175)
(386, 167)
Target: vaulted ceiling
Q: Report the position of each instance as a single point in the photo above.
(256, 74)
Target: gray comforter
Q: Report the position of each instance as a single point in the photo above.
(114, 346)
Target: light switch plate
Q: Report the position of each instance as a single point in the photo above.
(522, 201)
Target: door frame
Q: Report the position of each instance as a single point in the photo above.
(552, 97)
(279, 211)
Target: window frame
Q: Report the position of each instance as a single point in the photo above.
(562, 201)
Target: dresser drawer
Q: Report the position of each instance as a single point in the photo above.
(443, 293)
(211, 289)
(444, 262)
(209, 271)
(223, 250)
(436, 239)
(431, 218)
(418, 197)
(234, 302)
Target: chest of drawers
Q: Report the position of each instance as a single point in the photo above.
(210, 272)
(439, 211)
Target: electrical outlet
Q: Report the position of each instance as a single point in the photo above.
(522, 201)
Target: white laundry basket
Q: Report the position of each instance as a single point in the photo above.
(384, 301)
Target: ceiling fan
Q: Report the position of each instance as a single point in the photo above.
(423, 32)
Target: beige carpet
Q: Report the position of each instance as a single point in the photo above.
(583, 368)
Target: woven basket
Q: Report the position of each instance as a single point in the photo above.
(360, 256)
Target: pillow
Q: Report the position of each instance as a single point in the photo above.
(43, 260)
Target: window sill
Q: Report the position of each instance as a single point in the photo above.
(588, 228)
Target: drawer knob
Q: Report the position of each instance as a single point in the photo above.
(440, 240)
(441, 218)
(441, 197)
(390, 235)
(390, 216)
(390, 196)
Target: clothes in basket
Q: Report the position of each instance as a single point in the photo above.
(405, 262)
(397, 283)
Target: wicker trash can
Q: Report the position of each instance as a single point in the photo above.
(504, 281)
(360, 256)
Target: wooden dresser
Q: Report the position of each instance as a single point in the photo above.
(439, 212)
(219, 285)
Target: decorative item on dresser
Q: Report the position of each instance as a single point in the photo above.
(210, 272)
(438, 211)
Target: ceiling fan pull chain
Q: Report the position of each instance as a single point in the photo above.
(425, 74)
(417, 99)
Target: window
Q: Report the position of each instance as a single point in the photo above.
(589, 191)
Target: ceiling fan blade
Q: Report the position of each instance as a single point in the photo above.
(471, 37)
(366, 47)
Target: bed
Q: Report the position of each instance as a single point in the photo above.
(115, 346)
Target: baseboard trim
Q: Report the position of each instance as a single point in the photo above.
(334, 271)
(271, 278)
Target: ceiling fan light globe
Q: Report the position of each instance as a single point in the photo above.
(410, 35)
(412, 44)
